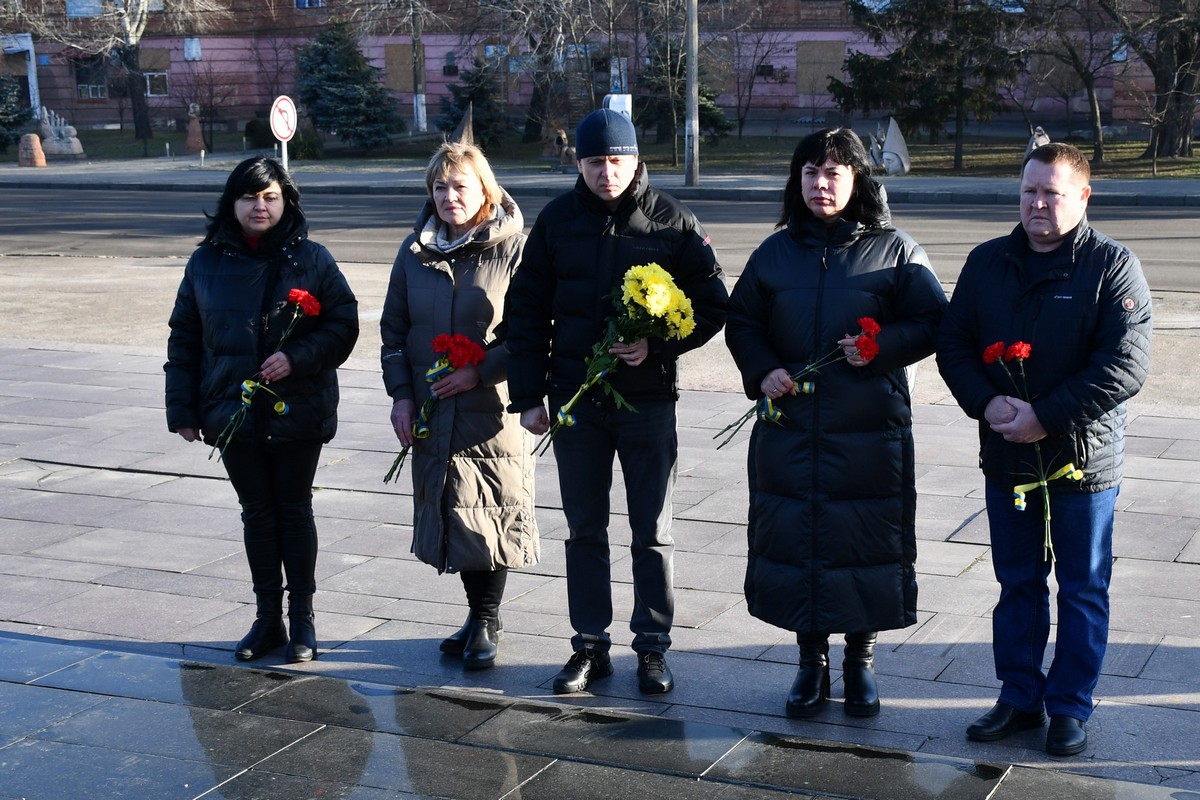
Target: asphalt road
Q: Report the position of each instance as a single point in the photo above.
(102, 266)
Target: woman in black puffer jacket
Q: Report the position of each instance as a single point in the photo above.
(832, 540)
(237, 318)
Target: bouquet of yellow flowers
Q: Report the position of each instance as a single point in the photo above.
(648, 304)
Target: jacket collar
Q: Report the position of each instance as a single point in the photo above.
(508, 222)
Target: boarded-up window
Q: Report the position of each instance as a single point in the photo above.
(816, 62)
(398, 67)
(154, 59)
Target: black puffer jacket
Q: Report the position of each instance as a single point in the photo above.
(577, 254)
(832, 540)
(230, 312)
(1088, 320)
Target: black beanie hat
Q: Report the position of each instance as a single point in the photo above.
(605, 132)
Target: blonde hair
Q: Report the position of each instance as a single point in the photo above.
(459, 157)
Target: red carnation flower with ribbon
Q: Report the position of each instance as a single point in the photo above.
(457, 351)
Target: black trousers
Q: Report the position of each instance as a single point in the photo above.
(274, 487)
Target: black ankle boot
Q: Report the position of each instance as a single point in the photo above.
(454, 643)
(267, 632)
(858, 675)
(483, 639)
(302, 642)
(810, 690)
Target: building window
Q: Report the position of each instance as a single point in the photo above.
(310, 3)
(91, 78)
(191, 49)
(156, 84)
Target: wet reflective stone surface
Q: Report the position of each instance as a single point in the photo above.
(80, 724)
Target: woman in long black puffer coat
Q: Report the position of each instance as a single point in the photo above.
(832, 540)
(262, 320)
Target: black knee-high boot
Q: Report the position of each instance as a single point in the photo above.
(485, 591)
(858, 675)
(267, 632)
(302, 641)
(810, 690)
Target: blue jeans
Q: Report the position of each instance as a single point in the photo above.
(647, 445)
(274, 487)
(1081, 529)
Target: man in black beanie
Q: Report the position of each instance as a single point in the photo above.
(578, 252)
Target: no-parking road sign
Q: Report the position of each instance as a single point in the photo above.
(283, 118)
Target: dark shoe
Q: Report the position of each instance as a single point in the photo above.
(858, 675)
(454, 643)
(1003, 721)
(480, 649)
(654, 676)
(267, 633)
(583, 668)
(1065, 737)
(810, 690)
(302, 639)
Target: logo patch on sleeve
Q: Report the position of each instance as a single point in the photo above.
(1129, 304)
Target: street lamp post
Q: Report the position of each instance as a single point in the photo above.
(691, 155)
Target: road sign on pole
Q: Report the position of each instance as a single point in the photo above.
(283, 122)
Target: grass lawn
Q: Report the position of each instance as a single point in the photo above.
(768, 154)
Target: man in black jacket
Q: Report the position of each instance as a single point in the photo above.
(578, 251)
(1046, 337)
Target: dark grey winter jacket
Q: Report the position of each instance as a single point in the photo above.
(1088, 321)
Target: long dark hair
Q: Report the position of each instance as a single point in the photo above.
(842, 146)
(251, 177)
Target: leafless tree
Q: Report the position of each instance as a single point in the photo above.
(1165, 35)
(115, 30)
(210, 89)
(745, 31)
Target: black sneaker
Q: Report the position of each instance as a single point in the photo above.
(654, 676)
(583, 667)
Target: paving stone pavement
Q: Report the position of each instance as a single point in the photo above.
(123, 587)
(122, 563)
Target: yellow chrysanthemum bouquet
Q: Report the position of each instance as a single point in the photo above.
(649, 305)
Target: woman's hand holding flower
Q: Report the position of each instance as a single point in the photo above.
(189, 434)
(403, 412)
(275, 368)
(463, 379)
(777, 383)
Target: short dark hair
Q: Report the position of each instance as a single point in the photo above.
(1069, 154)
(251, 177)
(842, 146)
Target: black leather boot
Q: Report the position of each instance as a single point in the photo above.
(267, 632)
(810, 690)
(454, 643)
(482, 644)
(858, 675)
(302, 641)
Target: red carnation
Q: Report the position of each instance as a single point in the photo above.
(308, 304)
(1018, 350)
(868, 348)
(993, 353)
(869, 326)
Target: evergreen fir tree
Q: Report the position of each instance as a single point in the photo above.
(342, 92)
(478, 89)
(13, 112)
